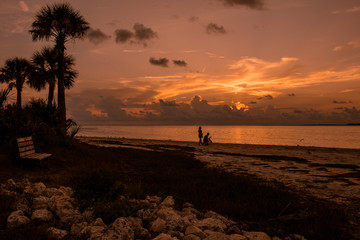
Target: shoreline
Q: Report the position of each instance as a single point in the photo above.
(326, 173)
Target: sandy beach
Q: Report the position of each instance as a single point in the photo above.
(326, 173)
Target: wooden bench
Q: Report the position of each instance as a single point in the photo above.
(27, 150)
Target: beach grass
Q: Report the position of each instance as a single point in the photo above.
(106, 173)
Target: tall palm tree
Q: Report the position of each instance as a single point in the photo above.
(45, 70)
(61, 23)
(16, 72)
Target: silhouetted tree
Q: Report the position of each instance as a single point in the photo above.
(45, 71)
(4, 93)
(16, 72)
(61, 23)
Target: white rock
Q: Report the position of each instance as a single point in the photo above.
(226, 221)
(98, 222)
(237, 237)
(191, 237)
(298, 237)
(16, 219)
(165, 236)
(158, 225)
(165, 213)
(211, 224)
(139, 231)
(95, 232)
(195, 231)
(40, 202)
(56, 233)
(38, 188)
(147, 214)
(121, 228)
(42, 215)
(77, 228)
(153, 199)
(256, 236)
(168, 202)
(217, 236)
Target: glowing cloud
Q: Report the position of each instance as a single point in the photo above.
(96, 112)
(23, 6)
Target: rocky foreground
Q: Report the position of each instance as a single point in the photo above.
(159, 220)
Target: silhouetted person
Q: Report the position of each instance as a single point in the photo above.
(200, 136)
(207, 139)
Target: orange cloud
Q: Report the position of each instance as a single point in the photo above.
(96, 112)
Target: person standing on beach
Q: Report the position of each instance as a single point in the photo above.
(200, 136)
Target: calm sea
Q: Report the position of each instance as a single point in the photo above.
(320, 136)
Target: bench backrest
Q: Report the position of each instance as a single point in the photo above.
(26, 146)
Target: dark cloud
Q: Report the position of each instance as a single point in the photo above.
(140, 35)
(255, 4)
(252, 102)
(291, 94)
(214, 28)
(180, 63)
(143, 33)
(268, 97)
(162, 62)
(96, 36)
(123, 35)
(193, 18)
(339, 102)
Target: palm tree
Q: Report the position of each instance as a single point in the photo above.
(45, 70)
(4, 93)
(16, 72)
(61, 23)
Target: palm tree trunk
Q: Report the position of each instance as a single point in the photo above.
(61, 88)
(51, 93)
(18, 97)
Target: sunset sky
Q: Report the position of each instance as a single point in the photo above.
(205, 61)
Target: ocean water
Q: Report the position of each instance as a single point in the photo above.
(319, 136)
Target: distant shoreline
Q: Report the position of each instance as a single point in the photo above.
(163, 124)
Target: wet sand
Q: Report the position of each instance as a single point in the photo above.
(326, 173)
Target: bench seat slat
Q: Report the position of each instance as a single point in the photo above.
(23, 154)
(39, 156)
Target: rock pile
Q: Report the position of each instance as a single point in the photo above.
(159, 221)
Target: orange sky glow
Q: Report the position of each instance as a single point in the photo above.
(205, 61)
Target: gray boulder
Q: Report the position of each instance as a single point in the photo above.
(165, 236)
(211, 224)
(41, 215)
(168, 202)
(193, 230)
(121, 228)
(55, 233)
(159, 225)
(256, 236)
(17, 218)
(40, 202)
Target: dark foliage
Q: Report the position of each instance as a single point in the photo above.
(36, 119)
